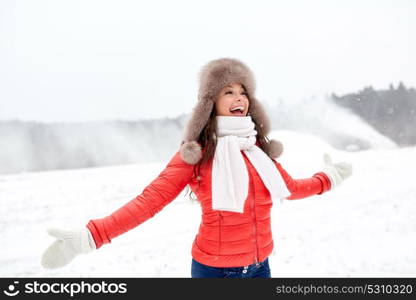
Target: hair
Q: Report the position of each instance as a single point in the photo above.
(208, 141)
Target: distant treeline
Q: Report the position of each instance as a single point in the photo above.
(392, 112)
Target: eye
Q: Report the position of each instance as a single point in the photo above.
(244, 93)
(228, 92)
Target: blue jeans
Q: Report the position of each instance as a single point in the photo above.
(261, 269)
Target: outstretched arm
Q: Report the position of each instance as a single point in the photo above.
(302, 188)
(332, 175)
(160, 192)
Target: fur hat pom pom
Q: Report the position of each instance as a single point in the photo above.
(275, 148)
(191, 152)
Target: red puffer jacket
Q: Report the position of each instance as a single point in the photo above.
(225, 239)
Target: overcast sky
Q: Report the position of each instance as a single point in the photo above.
(104, 60)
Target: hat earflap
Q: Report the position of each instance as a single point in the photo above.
(275, 148)
(190, 152)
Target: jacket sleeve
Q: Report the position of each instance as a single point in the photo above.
(302, 188)
(160, 192)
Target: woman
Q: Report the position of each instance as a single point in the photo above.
(229, 163)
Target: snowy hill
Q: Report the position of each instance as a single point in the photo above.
(365, 227)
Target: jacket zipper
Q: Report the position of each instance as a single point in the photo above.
(219, 234)
(253, 214)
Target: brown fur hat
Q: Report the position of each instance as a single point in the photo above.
(212, 78)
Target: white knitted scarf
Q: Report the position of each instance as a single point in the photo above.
(230, 177)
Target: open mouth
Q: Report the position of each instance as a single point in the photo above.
(237, 111)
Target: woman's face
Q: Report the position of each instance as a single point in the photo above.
(232, 100)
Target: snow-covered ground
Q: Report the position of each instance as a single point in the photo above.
(365, 227)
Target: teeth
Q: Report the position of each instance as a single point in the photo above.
(241, 108)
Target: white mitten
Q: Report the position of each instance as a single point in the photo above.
(338, 172)
(70, 243)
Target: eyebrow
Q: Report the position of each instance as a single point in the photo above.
(228, 86)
